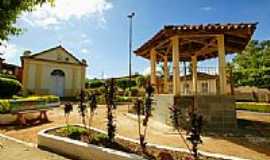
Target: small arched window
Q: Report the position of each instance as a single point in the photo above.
(58, 72)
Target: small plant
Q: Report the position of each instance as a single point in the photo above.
(148, 108)
(67, 109)
(109, 97)
(74, 132)
(195, 129)
(138, 106)
(93, 107)
(195, 133)
(82, 107)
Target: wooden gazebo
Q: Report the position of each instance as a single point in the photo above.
(175, 43)
(194, 43)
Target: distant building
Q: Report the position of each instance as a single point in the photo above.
(53, 71)
(207, 84)
(10, 69)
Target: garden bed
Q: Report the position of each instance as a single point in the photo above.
(56, 140)
(253, 106)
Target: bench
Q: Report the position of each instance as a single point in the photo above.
(23, 121)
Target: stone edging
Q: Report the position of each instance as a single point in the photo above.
(208, 154)
(80, 150)
(203, 153)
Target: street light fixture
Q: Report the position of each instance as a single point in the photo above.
(130, 16)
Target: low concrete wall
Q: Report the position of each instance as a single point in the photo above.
(79, 150)
(218, 111)
(161, 105)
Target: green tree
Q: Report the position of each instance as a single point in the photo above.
(94, 83)
(10, 10)
(141, 81)
(252, 65)
(124, 83)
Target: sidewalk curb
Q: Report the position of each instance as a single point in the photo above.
(32, 145)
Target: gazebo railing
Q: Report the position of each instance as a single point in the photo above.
(207, 82)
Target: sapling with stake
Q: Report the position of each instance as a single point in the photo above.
(82, 107)
(195, 133)
(67, 109)
(195, 129)
(148, 108)
(93, 107)
(111, 107)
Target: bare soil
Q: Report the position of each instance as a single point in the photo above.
(252, 141)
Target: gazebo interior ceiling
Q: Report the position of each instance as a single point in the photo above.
(199, 40)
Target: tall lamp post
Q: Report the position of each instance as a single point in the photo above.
(130, 16)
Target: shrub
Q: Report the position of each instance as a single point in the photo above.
(264, 107)
(141, 81)
(52, 98)
(9, 87)
(20, 103)
(74, 132)
(134, 91)
(95, 83)
(4, 106)
(7, 76)
(124, 83)
(124, 99)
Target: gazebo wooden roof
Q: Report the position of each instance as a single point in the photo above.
(199, 40)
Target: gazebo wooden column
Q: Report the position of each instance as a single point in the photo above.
(194, 74)
(221, 64)
(166, 74)
(176, 70)
(153, 60)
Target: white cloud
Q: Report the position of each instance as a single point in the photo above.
(147, 71)
(84, 50)
(83, 35)
(64, 10)
(207, 8)
(11, 53)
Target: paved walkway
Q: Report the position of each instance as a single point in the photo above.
(245, 146)
(11, 150)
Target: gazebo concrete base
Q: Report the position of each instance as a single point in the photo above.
(218, 111)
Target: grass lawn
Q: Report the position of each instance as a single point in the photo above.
(251, 106)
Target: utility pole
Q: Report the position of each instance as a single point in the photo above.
(130, 16)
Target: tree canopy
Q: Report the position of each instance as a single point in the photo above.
(252, 66)
(10, 10)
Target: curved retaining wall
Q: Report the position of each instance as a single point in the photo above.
(84, 151)
(80, 150)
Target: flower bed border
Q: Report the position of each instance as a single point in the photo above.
(43, 136)
(80, 150)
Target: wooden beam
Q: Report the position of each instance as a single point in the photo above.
(194, 74)
(176, 70)
(166, 74)
(153, 60)
(222, 65)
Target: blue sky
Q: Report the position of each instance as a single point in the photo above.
(97, 30)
